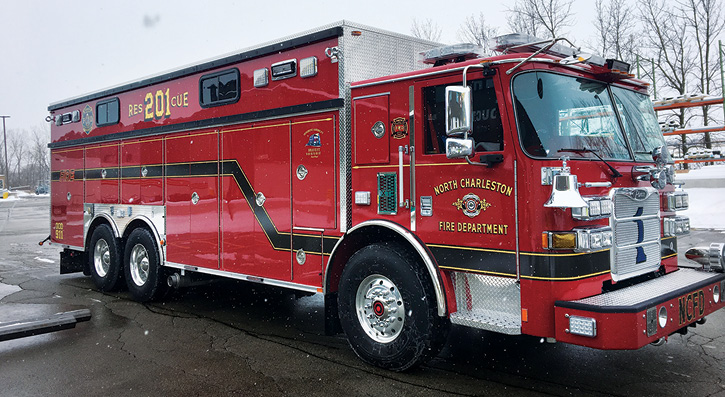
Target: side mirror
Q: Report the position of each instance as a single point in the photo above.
(458, 110)
(457, 148)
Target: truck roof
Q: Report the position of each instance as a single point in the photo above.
(289, 42)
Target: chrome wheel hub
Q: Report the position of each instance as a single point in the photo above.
(139, 265)
(380, 308)
(101, 257)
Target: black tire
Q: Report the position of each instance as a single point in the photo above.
(419, 333)
(145, 277)
(104, 259)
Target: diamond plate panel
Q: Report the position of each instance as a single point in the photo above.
(373, 53)
(647, 290)
(487, 302)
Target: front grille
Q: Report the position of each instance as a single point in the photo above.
(636, 226)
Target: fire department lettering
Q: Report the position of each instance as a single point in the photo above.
(473, 183)
(692, 306)
(478, 228)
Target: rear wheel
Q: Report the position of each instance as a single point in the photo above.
(105, 259)
(144, 275)
(387, 308)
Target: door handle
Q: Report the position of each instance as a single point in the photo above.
(401, 151)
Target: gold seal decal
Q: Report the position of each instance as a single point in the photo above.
(471, 205)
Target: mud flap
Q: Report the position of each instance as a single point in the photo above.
(72, 261)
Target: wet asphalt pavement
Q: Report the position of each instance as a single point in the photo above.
(234, 338)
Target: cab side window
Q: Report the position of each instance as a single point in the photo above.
(487, 126)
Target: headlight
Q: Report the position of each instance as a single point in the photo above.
(677, 201)
(597, 208)
(579, 239)
(675, 226)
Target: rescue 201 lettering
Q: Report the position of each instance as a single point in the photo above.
(159, 104)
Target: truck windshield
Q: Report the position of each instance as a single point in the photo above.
(640, 122)
(557, 112)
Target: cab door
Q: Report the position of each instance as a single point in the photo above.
(465, 212)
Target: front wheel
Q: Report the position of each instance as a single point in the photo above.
(142, 266)
(387, 308)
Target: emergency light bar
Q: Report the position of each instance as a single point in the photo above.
(516, 43)
(451, 53)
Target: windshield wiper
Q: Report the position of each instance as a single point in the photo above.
(615, 173)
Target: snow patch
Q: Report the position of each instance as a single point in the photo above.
(37, 258)
(707, 208)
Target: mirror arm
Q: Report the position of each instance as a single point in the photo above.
(489, 160)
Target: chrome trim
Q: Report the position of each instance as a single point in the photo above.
(243, 277)
(371, 96)
(309, 229)
(403, 232)
(516, 218)
(411, 134)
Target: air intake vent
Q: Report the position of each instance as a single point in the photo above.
(387, 193)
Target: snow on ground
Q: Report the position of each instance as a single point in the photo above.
(707, 208)
(708, 172)
(707, 205)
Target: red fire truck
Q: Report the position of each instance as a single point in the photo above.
(413, 186)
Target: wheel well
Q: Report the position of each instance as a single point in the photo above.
(356, 240)
(136, 223)
(96, 222)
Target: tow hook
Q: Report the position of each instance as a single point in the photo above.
(46, 239)
(659, 342)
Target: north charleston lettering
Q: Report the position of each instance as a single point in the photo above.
(473, 183)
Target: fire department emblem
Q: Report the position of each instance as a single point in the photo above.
(471, 205)
(314, 140)
(87, 119)
(399, 128)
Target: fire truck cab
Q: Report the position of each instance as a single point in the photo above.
(413, 186)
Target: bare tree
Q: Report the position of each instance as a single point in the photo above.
(705, 20)
(616, 32)
(667, 35)
(16, 154)
(427, 30)
(548, 17)
(477, 31)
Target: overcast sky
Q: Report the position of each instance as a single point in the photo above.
(54, 50)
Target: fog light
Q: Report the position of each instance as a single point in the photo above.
(583, 326)
(663, 317)
(716, 293)
(675, 226)
(677, 201)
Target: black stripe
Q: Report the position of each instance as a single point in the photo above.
(329, 104)
(548, 266)
(270, 49)
(564, 267)
(278, 240)
(130, 172)
(484, 261)
(97, 173)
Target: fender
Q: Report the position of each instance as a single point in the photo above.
(414, 242)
